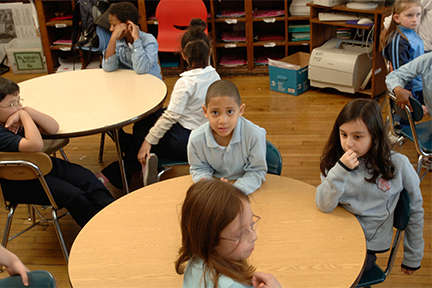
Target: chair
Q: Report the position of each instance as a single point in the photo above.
(51, 146)
(172, 16)
(103, 38)
(273, 159)
(401, 216)
(37, 279)
(22, 166)
(418, 132)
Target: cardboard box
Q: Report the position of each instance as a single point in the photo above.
(290, 74)
(26, 56)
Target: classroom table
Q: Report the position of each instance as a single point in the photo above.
(91, 101)
(134, 241)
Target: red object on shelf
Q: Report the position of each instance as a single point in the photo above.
(61, 18)
(172, 14)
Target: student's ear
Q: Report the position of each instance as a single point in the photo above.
(396, 18)
(242, 108)
(205, 111)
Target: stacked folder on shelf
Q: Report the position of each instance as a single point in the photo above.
(299, 32)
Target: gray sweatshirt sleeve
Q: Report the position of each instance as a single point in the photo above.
(413, 243)
(331, 188)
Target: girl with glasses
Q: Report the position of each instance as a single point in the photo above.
(218, 235)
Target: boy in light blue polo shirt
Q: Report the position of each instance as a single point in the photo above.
(228, 146)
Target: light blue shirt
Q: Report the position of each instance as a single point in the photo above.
(141, 56)
(420, 66)
(193, 277)
(243, 159)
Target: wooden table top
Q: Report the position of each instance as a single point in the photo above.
(89, 101)
(134, 241)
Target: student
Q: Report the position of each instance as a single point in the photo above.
(361, 173)
(72, 186)
(129, 47)
(228, 147)
(400, 42)
(425, 27)
(166, 132)
(396, 80)
(13, 265)
(218, 235)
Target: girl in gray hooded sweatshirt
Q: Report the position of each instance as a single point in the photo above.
(360, 172)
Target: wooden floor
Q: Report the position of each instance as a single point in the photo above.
(297, 125)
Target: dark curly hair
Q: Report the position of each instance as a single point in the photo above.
(195, 44)
(377, 159)
(124, 11)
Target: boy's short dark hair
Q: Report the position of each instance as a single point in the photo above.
(124, 11)
(222, 88)
(7, 87)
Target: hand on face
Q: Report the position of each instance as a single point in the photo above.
(119, 31)
(350, 159)
(133, 30)
(13, 123)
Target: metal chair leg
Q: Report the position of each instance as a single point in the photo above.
(8, 226)
(31, 213)
(60, 235)
(63, 154)
(101, 147)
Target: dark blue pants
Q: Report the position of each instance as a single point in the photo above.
(172, 146)
(73, 187)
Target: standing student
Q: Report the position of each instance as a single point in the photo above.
(129, 47)
(166, 132)
(72, 186)
(361, 173)
(229, 146)
(401, 44)
(218, 235)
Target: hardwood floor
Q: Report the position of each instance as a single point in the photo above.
(297, 125)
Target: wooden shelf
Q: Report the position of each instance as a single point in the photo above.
(229, 45)
(56, 23)
(264, 43)
(224, 19)
(264, 19)
(340, 24)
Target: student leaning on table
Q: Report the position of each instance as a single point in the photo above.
(129, 47)
(218, 235)
(72, 186)
(396, 80)
(361, 173)
(228, 146)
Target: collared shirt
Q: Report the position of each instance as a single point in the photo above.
(243, 159)
(194, 277)
(141, 56)
(421, 66)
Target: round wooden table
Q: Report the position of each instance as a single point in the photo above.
(86, 102)
(134, 241)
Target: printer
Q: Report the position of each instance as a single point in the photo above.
(345, 65)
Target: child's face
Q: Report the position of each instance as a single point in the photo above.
(223, 113)
(9, 105)
(237, 239)
(355, 136)
(115, 23)
(410, 17)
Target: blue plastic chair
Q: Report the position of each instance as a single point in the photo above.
(37, 279)
(418, 132)
(400, 220)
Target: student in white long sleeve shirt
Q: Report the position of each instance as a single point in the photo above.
(166, 132)
(129, 47)
(361, 173)
(228, 147)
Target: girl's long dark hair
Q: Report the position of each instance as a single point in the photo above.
(209, 206)
(377, 159)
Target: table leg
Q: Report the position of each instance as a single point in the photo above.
(120, 159)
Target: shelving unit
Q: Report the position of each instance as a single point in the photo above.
(52, 30)
(321, 31)
(247, 27)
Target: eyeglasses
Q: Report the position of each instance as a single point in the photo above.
(18, 102)
(246, 232)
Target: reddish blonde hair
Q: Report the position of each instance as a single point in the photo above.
(209, 206)
(398, 7)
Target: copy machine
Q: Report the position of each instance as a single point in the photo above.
(341, 65)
